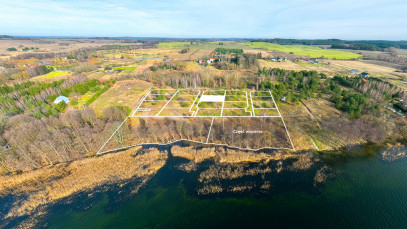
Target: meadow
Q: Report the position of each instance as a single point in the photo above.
(304, 50)
(52, 75)
(125, 68)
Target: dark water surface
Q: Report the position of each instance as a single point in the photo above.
(363, 193)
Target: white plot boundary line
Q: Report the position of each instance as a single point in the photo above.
(209, 132)
(248, 105)
(196, 103)
(167, 103)
(282, 119)
(141, 101)
(223, 105)
(213, 117)
(192, 106)
(251, 99)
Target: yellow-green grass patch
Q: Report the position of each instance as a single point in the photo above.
(52, 75)
(125, 68)
(123, 93)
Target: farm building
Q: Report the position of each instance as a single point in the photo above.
(313, 61)
(61, 99)
(211, 60)
(364, 74)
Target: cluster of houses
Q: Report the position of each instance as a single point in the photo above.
(278, 59)
(209, 61)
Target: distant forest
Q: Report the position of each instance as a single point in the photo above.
(371, 45)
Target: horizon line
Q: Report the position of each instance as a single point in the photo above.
(185, 38)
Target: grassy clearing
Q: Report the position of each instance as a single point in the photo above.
(84, 99)
(123, 93)
(52, 75)
(125, 68)
(304, 50)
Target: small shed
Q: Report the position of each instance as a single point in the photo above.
(61, 98)
(364, 74)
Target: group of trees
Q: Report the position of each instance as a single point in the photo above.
(36, 98)
(238, 61)
(374, 88)
(40, 142)
(291, 84)
(167, 65)
(223, 51)
(18, 72)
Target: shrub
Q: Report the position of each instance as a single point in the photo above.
(74, 102)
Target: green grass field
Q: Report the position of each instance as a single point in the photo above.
(125, 68)
(304, 50)
(52, 75)
(82, 101)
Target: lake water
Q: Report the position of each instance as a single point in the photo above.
(363, 192)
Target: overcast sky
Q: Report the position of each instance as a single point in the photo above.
(344, 19)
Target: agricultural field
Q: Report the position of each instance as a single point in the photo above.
(401, 52)
(299, 66)
(304, 50)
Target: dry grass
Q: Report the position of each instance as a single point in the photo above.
(124, 93)
(375, 70)
(224, 155)
(289, 65)
(47, 185)
(302, 123)
(194, 55)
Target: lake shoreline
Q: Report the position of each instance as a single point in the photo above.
(220, 155)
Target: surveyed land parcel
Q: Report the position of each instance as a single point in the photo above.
(237, 118)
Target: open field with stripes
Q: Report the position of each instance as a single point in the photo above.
(242, 119)
(206, 103)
